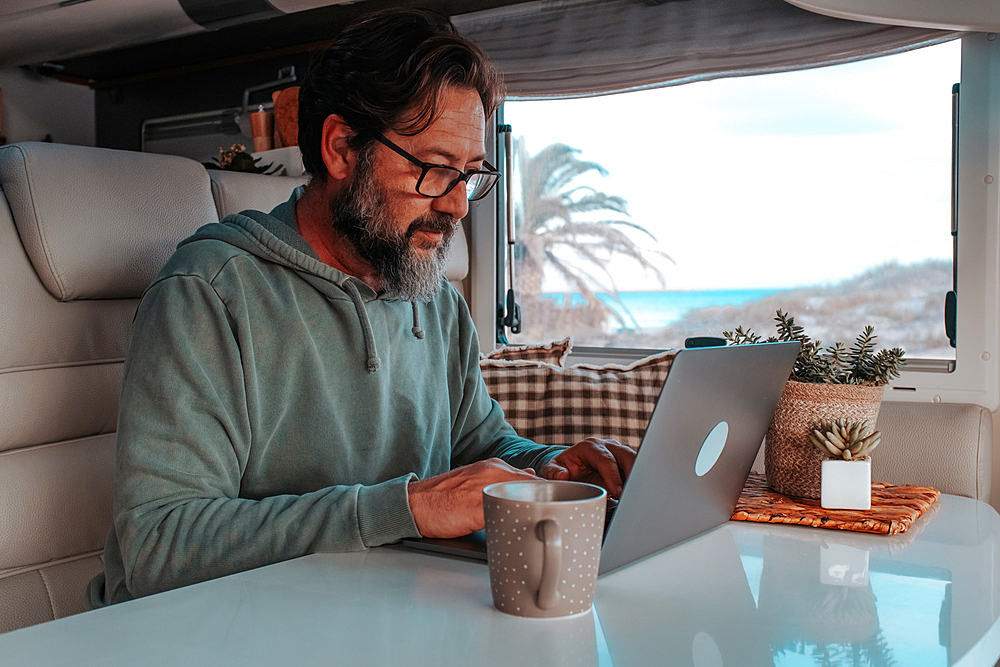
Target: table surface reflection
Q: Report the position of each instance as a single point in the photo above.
(743, 594)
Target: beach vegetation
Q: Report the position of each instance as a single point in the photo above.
(572, 229)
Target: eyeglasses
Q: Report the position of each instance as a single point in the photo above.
(437, 180)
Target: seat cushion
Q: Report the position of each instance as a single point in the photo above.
(943, 445)
(46, 593)
(55, 501)
(553, 405)
(235, 191)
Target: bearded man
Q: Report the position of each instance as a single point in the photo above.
(305, 380)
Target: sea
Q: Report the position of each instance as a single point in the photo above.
(654, 310)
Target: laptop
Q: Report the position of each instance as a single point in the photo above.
(698, 448)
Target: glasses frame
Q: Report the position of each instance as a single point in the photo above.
(462, 176)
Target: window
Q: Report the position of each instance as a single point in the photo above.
(647, 217)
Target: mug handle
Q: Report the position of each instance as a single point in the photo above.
(548, 532)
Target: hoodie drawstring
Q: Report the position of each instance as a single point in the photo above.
(416, 330)
(373, 361)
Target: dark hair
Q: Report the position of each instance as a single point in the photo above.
(385, 71)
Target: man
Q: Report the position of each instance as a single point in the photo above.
(305, 380)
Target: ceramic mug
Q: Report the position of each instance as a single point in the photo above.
(543, 543)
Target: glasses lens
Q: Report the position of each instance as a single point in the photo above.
(480, 184)
(437, 181)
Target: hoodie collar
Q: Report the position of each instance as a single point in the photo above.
(285, 213)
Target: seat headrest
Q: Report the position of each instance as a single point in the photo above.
(99, 223)
(236, 191)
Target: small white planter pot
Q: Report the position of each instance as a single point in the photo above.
(846, 485)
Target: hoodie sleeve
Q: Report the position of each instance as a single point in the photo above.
(184, 437)
(481, 431)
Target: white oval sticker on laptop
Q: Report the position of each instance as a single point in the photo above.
(711, 449)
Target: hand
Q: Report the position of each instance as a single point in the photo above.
(605, 463)
(451, 505)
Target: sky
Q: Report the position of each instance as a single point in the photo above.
(780, 180)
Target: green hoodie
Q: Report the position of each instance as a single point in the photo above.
(273, 406)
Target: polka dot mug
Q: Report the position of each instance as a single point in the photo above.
(543, 543)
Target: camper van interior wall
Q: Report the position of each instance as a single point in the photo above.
(827, 385)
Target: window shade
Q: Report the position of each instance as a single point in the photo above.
(573, 48)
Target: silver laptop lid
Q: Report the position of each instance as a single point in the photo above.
(699, 447)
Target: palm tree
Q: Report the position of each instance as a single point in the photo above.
(556, 227)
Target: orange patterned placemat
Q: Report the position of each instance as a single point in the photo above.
(894, 508)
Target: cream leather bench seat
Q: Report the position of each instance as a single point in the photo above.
(948, 446)
(83, 231)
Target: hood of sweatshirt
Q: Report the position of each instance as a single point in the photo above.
(274, 237)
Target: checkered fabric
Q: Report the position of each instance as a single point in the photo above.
(551, 353)
(553, 405)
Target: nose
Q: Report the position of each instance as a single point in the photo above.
(455, 203)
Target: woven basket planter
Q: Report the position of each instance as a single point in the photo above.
(791, 463)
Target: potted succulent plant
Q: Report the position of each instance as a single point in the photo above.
(826, 384)
(846, 472)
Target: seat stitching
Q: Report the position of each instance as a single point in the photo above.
(48, 591)
(65, 364)
(58, 443)
(36, 221)
(14, 571)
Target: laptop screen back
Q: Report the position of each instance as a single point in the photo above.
(717, 403)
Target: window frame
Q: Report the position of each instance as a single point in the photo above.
(974, 376)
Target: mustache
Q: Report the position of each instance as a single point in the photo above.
(441, 223)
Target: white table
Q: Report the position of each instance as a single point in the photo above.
(743, 594)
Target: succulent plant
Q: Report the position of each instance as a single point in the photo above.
(843, 439)
(859, 365)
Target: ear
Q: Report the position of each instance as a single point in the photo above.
(338, 157)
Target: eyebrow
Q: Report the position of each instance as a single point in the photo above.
(454, 158)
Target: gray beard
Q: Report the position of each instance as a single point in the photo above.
(362, 215)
